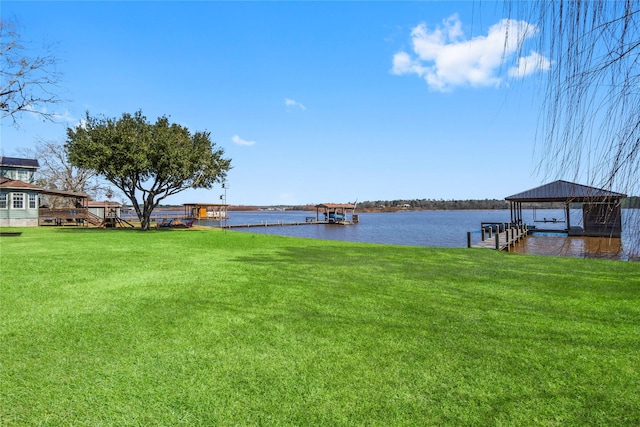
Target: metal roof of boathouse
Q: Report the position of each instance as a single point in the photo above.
(336, 205)
(564, 191)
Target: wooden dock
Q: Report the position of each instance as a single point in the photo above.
(501, 238)
(284, 224)
(272, 224)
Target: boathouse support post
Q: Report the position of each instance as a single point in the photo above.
(520, 209)
(482, 232)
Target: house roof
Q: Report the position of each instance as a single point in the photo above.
(64, 193)
(19, 162)
(106, 203)
(12, 184)
(564, 191)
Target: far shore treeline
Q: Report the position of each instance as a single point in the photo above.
(416, 204)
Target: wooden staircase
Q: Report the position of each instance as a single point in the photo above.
(109, 222)
(94, 220)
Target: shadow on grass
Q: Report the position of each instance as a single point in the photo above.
(121, 230)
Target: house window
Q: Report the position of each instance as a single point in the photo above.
(32, 201)
(23, 175)
(18, 200)
(3, 200)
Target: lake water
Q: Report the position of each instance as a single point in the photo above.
(440, 229)
(443, 229)
(410, 228)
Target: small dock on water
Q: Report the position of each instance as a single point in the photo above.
(326, 213)
(499, 236)
(309, 221)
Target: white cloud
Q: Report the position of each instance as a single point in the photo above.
(528, 65)
(291, 103)
(239, 141)
(445, 59)
(58, 117)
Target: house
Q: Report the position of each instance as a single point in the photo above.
(18, 192)
(19, 198)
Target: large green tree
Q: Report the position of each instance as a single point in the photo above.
(146, 161)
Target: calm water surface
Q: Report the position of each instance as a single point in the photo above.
(440, 229)
(409, 228)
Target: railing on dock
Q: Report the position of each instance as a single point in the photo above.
(62, 216)
(499, 236)
(308, 221)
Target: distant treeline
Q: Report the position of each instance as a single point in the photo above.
(631, 202)
(432, 204)
(421, 204)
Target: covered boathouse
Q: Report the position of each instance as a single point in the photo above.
(206, 213)
(601, 211)
(336, 213)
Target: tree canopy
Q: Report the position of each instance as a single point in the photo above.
(146, 161)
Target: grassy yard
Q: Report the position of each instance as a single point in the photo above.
(205, 327)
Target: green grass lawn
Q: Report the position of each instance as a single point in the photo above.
(205, 327)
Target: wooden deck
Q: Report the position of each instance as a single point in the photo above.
(502, 240)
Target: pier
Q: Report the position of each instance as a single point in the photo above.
(310, 220)
(499, 236)
(601, 214)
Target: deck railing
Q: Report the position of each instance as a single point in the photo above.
(62, 216)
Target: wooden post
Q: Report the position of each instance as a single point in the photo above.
(497, 241)
(468, 239)
(491, 231)
(482, 233)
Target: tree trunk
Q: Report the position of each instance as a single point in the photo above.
(145, 221)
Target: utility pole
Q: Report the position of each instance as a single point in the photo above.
(223, 197)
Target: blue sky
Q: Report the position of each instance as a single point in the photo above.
(313, 101)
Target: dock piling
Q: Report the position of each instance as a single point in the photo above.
(506, 236)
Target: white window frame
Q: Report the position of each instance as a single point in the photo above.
(17, 197)
(4, 200)
(32, 201)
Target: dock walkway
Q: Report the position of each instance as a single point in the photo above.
(283, 224)
(500, 240)
(272, 224)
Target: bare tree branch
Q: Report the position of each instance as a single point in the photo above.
(27, 83)
(57, 173)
